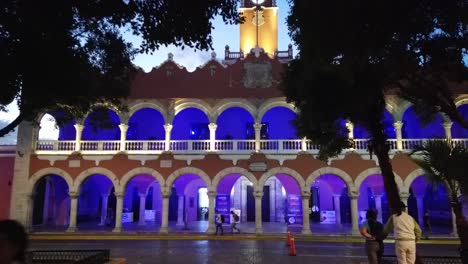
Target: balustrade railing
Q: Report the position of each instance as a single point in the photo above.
(279, 146)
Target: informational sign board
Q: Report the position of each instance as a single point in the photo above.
(149, 215)
(294, 209)
(223, 205)
(127, 217)
(327, 217)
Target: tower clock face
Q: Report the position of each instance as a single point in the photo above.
(258, 2)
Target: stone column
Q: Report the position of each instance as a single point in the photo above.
(212, 127)
(420, 202)
(168, 129)
(354, 214)
(45, 210)
(165, 193)
(454, 225)
(378, 206)
(211, 212)
(79, 131)
(448, 129)
(398, 125)
(21, 181)
(180, 211)
(305, 212)
(404, 198)
(118, 211)
(258, 129)
(350, 127)
(123, 136)
(304, 144)
(336, 201)
(73, 211)
(141, 219)
(258, 212)
(104, 199)
(29, 211)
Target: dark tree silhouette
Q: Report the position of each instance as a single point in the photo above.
(70, 55)
(353, 53)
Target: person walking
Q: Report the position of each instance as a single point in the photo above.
(406, 232)
(235, 220)
(219, 220)
(372, 230)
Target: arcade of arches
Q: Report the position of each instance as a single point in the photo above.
(167, 192)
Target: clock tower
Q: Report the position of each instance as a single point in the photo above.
(260, 26)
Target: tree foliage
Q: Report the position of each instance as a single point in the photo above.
(353, 53)
(70, 55)
(445, 162)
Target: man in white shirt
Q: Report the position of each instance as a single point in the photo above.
(406, 232)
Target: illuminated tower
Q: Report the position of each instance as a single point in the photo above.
(260, 26)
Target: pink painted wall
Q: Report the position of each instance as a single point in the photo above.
(7, 165)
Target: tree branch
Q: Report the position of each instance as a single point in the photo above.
(10, 127)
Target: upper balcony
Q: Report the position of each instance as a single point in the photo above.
(287, 146)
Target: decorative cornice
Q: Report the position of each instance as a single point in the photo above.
(98, 158)
(281, 158)
(235, 158)
(189, 158)
(143, 158)
(52, 158)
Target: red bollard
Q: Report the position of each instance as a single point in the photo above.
(288, 242)
(292, 249)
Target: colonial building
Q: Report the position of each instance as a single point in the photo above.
(218, 138)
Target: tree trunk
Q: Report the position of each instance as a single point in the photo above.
(462, 230)
(381, 149)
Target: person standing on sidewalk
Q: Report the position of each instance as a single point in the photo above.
(235, 220)
(372, 230)
(406, 232)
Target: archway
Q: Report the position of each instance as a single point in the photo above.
(142, 204)
(51, 204)
(387, 120)
(457, 130)
(433, 199)
(235, 123)
(101, 124)
(233, 193)
(96, 203)
(372, 195)
(188, 204)
(330, 205)
(413, 128)
(277, 123)
(49, 131)
(146, 124)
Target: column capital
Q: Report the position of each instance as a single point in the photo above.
(353, 196)
(78, 127)
(305, 194)
(142, 195)
(119, 194)
(398, 124)
(31, 195)
(104, 195)
(258, 194)
(73, 195)
(447, 124)
(167, 127)
(258, 126)
(336, 195)
(166, 193)
(378, 196)
(212, 126)
(212, 194)
(123, 127)
(404, 195)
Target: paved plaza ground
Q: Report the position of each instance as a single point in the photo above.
(234, 249)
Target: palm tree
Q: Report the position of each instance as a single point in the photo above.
(447, 163)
